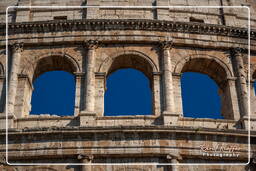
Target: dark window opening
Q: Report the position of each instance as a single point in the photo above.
(60, 18)
(54, 93)
(196, 20)
(200, 96)
(128, 93)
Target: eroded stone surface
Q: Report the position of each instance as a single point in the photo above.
(163, 43)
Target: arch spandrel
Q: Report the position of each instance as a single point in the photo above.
(206, 64)
(126, 59)
(49, 62)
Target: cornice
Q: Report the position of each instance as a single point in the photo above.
(125, 24)
(105, 129)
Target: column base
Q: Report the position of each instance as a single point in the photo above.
(245, 122)
(11, 119)
(87, 118)
(170, 118)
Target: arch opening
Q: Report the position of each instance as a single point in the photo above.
(54, 86)
(131, 61)
(209, 67)
(200, 96)
(128, 93)
(217, 79)
(54, 93)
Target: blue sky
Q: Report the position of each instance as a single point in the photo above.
(128, 92)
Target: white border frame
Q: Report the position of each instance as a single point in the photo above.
(125, 7)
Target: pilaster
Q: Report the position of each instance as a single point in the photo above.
(86, 161)
(241, 83)
(17, 49)
(87, 115)
(100, 91)
(169, 114)
(79, 76)
(174, 160)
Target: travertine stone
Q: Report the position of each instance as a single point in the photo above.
(191, 40)
(90, 46)
(17, 49)
(242, 90)
(167, 77)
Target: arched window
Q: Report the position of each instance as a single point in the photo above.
(128, 92)
(200, 96)
(134, 72)
(39, 81)
(215, 69)
(54, 93)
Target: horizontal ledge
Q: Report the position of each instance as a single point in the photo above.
(207, 119)
(127, 117)
(45, 117)
(127, 129)
(126, 24)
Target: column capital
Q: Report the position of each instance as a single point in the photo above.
(173, 157)
(237, 50)
(167, 44)
(79, 74)
(174, 74)
(17, 46)
(156, 73)
(87, 158)
(91, 44)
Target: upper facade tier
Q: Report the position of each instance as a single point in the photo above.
(161, 10)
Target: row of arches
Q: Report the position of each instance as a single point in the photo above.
(217, 77)
(128, 93)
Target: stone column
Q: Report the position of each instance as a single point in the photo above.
(229, 99)
(88, 114)
(174, 160)
(17, 48)
(86, 161)
(90, 76)
(241, 84)
(170, 117)
(167, 77)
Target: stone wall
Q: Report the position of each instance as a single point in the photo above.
(163, 43)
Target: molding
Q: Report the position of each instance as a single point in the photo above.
(159, 129)
(91, 44)
(166, 45)
(17, 47)
(125, 24)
